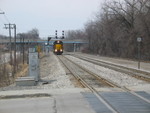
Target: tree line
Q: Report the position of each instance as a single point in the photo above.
(116, 27)
(30, 35)
(8, 68)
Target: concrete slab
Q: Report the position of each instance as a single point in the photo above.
(28, 105)
(25, 81)
(72, 103)
(60, 101)
(18, 93)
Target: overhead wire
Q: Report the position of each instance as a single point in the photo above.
(1, 20)
(4, 18)
(8, 21)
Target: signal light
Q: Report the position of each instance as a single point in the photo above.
(63, 34)
(56, 34)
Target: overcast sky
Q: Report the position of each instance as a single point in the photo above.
(47, 15)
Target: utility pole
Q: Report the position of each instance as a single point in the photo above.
(12, 26)
(23, 49)
(14, 48)
(2, 13)
(20, 46)
(8, 26)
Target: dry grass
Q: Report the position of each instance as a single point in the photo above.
(6, 74)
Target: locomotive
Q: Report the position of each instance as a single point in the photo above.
(58, 47)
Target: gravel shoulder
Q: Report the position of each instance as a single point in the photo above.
(52, 70)
(53, 76)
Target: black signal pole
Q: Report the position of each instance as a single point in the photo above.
(49, 38)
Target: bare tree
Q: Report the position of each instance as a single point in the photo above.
(114, 31)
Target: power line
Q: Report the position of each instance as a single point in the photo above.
(2, 12)
(2, 20)
(6, 18)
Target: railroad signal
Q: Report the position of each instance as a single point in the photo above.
(56, 34)
(63, 34)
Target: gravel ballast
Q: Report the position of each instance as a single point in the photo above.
(53, 75)
(117, 77)
(52, 70)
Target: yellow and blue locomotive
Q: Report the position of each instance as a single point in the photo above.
(58, 47)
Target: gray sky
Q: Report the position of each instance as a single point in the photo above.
(47, 15)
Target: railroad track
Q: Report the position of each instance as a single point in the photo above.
(87, 80)
(93, 81)
(81, 73)
(139, 74)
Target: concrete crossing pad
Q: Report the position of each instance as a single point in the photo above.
(73, 102)
(28, 105)
(123, 102)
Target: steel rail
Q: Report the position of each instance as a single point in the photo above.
(114, 84)
(85, 84)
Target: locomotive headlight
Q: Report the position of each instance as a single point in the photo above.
(55, 50)
(61, 50)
